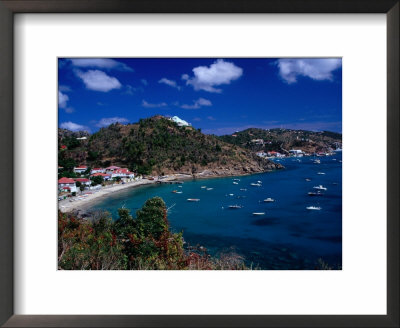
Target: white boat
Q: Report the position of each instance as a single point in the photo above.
(236, 179)
(258, 213)
(259, 181)
(317, 161)
(314, 208)
(234, 182)
(255, 184)
(193, 200)
(203, 187)
(209, 188)
(230, 194)
(235, 206)
(178, 192)
(318, 193)
(321, 173)
(320, 187)
(307, 179)
(243, 189)
(269, 200)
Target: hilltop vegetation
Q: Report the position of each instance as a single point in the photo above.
(282, 140)
(141, 243)
(159, 146)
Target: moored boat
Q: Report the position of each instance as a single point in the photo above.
(193, 199)
(314, 208)
(258, 213)
(269, 200)
(320, 187)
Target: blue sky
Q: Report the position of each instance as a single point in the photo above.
(218, 95)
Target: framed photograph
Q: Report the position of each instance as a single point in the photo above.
(200, 164)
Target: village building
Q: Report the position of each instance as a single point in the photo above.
(257, 141)
(261, 154)
(112, 168)
(67, 185)
(123, 174)
(84, 181)
(97, 170)
(80, 169)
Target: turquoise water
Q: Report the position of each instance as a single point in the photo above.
(288, 236)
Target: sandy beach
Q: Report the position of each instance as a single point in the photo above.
(88, 198)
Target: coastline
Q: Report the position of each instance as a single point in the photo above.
(82, 204)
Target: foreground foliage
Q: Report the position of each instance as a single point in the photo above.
(141, 243)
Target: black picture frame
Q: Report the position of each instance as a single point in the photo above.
(10, 7)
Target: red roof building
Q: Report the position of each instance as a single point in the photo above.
(66, 181)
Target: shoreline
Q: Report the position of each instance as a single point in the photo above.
(83, 203)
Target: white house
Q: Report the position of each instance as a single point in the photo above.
(106, 176)
(123, 173)
(112, 168)
(296, 152)
(84, 181)
(66, 184)
(80, 169)
(261, 154)
(97, 170)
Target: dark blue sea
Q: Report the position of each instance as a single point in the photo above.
(286, 237)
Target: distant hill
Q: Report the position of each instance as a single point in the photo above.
(282, 140)
(160, 146)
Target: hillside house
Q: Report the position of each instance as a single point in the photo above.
(83, 181)
(106, 176)
(67, 185)
(97, 170)
(80, 169)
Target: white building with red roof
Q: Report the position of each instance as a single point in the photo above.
(112, 168)
(123, 173)
(66, 184)
(97, 170)
(83, 181)
(80, 169)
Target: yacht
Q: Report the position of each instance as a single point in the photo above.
(235, 206)
(269, 200)
(193, 200)
(258, 213)
(320, 187)
(314, 208)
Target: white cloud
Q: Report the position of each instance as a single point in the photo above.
(62, 100)
(98, 80)
(69, 110)
(206, 78)
(197, 104)
(315, 68)
(105, 63)
(64, 88)
(171, 83)
(149, 105)
(110, 120)
(73, 126)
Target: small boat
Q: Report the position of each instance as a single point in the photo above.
(178, 192)
(317, 161)
(259, 181)
(314, 208)
(193, 200)
(235, 206)
(269, 200)
(318, 193)
(234, 182)
(203, 187)
(230, 194)
(321, 173)
(209, 188)
(255, 184)
(320, 187)
(258, 213)
(243, 189)
(307, 179)
(236, 179)
(174, 191)
(179, 186)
